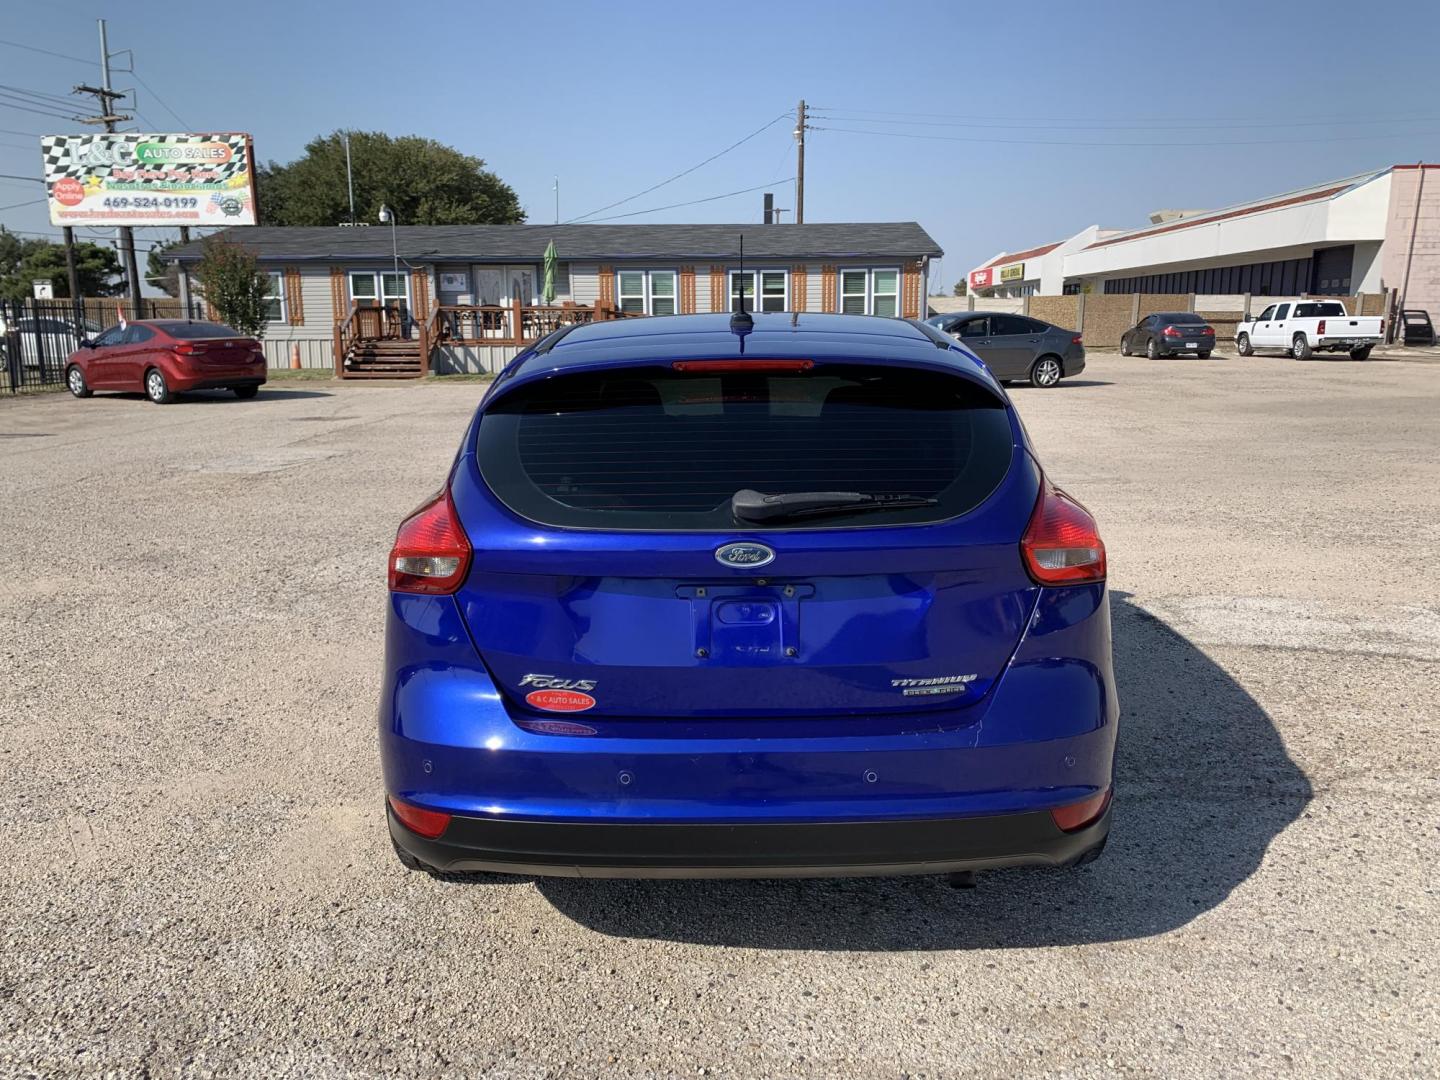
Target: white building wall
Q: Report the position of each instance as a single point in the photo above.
(585, 283)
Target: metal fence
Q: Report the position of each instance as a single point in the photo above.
(38, 336)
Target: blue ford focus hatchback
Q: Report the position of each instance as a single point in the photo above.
(715, 596)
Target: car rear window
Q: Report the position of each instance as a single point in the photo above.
(1176, 318)
(652, 448)
(196, 330)
(1319, 311)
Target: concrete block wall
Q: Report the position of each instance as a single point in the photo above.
(1401, 223)
(1060, 310)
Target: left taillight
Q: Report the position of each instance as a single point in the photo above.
(1170, 331)
(1062, 544)
(431, 552)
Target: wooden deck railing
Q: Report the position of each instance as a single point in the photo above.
(465, 324)
(516, 324)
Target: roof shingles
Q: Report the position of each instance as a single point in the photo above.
(526, 243)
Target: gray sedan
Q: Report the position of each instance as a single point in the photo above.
(1016, 346)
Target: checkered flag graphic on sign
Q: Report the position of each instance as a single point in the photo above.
(99, 155)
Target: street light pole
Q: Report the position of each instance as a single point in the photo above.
(387, 217)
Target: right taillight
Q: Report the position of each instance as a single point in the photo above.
(431, 552)
(1062, 545)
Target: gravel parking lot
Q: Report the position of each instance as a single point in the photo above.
(198, 881)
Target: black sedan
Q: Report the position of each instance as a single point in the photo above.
(1169, 333)
(1016, 346)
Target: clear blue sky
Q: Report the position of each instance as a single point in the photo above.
(614, 102)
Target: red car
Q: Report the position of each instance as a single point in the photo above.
(165, 356)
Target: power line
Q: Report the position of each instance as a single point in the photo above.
(161, 100)
(677, 176)
(16, 206)
(32, 134)
(1070, 125)
(694, 202)
(40, 95)
(23, 105)
(1328, 119)
(46, 52)
(1074, 142)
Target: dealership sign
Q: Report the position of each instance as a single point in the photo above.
(1014, 272)
(982, 279)
(132, 179)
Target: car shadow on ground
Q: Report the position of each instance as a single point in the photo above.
(225, 397)
(1203, 786)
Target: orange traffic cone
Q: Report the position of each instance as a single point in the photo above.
(295, 357)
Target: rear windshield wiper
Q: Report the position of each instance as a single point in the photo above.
(757, 506)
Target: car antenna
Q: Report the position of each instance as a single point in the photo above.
(741, 321)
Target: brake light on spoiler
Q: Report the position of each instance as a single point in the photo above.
(703, 367)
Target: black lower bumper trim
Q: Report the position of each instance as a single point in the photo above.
(828, 849)
(221, 383)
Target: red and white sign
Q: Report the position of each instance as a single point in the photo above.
(982, 279)
(559, 700)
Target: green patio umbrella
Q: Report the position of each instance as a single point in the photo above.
(552, 259)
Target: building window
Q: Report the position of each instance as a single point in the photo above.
(630, 291)
(773, 286)
(384, 289)
(646, 292)
(870, 292)
(275, 298)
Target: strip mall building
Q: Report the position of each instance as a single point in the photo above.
(1371, 233)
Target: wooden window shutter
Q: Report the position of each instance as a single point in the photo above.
(718, 300)
(607, 286)
(294, 299)
(910, 292)
(687, 290)
(798, 274)
(827, 289)
(337, 294)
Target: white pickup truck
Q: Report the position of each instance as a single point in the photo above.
(1306, 327)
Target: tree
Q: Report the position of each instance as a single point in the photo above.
(425, 182)
(233, 284)
(162, 273)
(960, 287)
(23, 262)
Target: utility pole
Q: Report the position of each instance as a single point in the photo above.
(71, 273)
(800, 164)
(349, 178)
(1410, 252)
(109, 117)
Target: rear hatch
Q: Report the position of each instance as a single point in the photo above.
(612, 574)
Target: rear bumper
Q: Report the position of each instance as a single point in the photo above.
(1345, 344)
(216, 380)
(809, 849)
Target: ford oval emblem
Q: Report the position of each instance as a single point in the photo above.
(744, 555)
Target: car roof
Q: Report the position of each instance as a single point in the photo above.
(777, 335)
